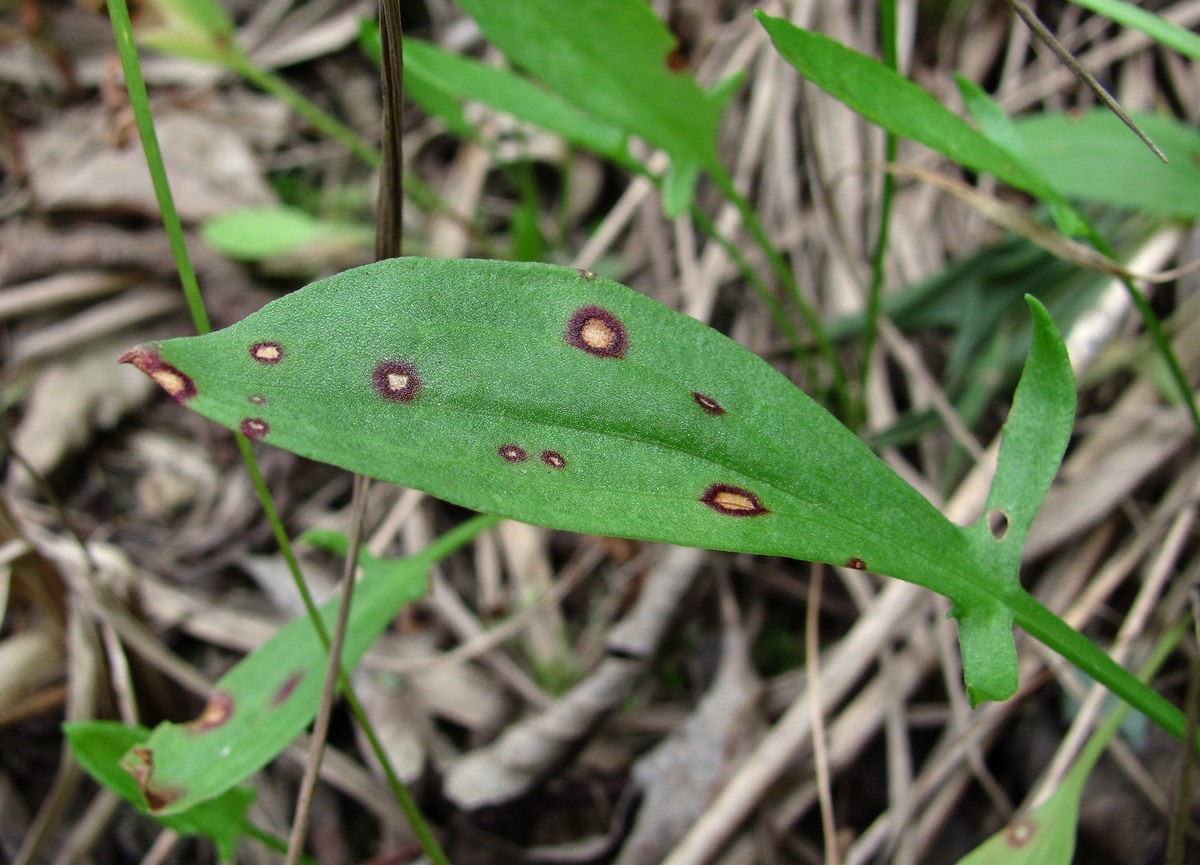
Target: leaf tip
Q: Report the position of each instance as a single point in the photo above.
(176, 383)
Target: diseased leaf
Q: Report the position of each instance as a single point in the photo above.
(557, 397)
(98, 746)
(270, 696)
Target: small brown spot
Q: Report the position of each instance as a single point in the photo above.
(267, 352)
(597, 331)
(707, 403)
(257, 399)
(177, 384)
(675, 61)
(217, 711)
(512, 453)
(1020, 832)
(285, 690)
(254, 428)
(587, 274)
(396, 380)
(733, 501)
(554, 459)
(856, 563)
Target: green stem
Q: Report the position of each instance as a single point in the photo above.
(139, 101)
(887, 26)
(1053, 632)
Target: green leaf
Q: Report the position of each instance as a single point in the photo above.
(98, 746)
(196, 29)
(898, 105)
(618, 63)
(1155, 26)
(1035, 437)
(1093, 157)
(514, 94)
(561, 398)
(266, 699)
(257, 233)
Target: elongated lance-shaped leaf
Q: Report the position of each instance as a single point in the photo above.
(557, 397)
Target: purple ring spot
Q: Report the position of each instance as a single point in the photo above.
(733, 501)
(512, 453)
(597, 331)
(553, 459)
(707, 403)
(254, 428)
(269, 353)
(396, 380)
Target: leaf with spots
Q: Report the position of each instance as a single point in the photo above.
(265, 700)
(454, 377)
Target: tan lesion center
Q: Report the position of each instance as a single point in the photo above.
(397, 381)
(732, 501)
(597, 334)
(169, 380)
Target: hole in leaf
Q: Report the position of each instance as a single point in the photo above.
(217, 711)
(997, 523)
(179, 385)
(512, 453)
(733, 501)
(597, 331)
(553, 459)
(267, 352)
(707, 403)
(396, 380)
(254, 428)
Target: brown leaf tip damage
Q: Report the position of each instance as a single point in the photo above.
(217, 711)
(512, 453)
(396, 380)
(856, 563)
(267, 352)
(733, 501)
(553, 459)
(177, 384)
(707, 403)
(597, 331)
(254, 428)
(157, 797)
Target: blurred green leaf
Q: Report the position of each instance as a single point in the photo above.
(267, 698)
(1155, 26)
(99, 745)
(258, 233)
(885, 97)
(1093, 157)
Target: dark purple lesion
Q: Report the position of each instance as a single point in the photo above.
(597, 331)
(396, 380)
(706, 402)
(733, 501)
(512, 453)
(254, 428)
(554, 459)
(856, 563)
(175, 382)
(285, 690)
(267, 352)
